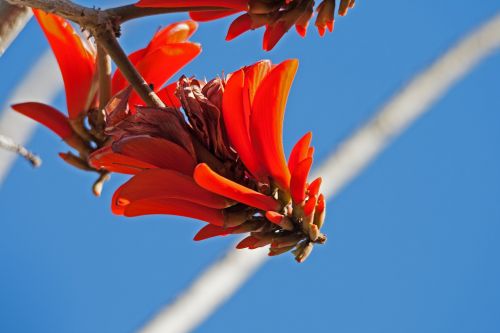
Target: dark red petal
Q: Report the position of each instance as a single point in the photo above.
(47, 116)
(210, 231)
(234, 4)
(299, 151)
(106, 158)
(167, 206)
(240, 25)
(267, 117)
(160, 183)
(159, 152)
(298, 181)
(209, 15)
(273, 34)
(167, 95)
(247, 242)
(211, 181)
(76, 62)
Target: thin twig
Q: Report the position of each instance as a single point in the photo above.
(104, 73)
(103, 26)
(130, 12)
(10, 145)
(107, 40)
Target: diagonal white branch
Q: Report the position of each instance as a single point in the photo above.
(214, 286)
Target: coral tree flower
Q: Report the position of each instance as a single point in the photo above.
(167, 52)
(277, 16)
(219, 158)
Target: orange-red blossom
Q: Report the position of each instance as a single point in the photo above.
(220, 159)
(277, 16)
(167, 52)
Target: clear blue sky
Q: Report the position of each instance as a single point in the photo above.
(413, 242)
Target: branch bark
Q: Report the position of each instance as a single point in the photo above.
(12, 21)
(104, 27)
(10, 145)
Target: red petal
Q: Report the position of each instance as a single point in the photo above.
(274, 217)
(209, 15)
(309, 206)
(119, 82)
(161, 64)
(273, 34)
(235, 4)
(210, 231)
(240, 25)
(161, 183)
(299, 151)
(247, 242)
(159, 152)
(211, 181)
(47, 116)
(298, 181)
(106, 158)
(314, 187)
(237, 118)
(174, 207)
(254, 75)
(167, 95)
(174, 33)
(266, 120)
(76, 62)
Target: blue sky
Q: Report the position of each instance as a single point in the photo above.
(412, 241)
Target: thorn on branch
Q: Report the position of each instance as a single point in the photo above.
(9, 144)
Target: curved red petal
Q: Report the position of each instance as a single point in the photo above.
(234, 4)
(161, 183)
(298, 181)
(267, 117)
(239, 26)
(119, 82)
(314, 187)
(210, 231)
(177, 32)
(161, 64)
(159, 152)
(247, 242)
(237, 118)
(76, 62)
(254, 75)
(167, 95)
(211, 181)
(209, 15)
(273, 35)
(46, 115)
(106, 158)
(299, 151)
(174, 207)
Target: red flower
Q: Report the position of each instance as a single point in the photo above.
(278, 16)
(222, 161)
(168, 51)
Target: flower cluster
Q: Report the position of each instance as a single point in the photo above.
(82, 129)
(277, 16)
(215, 153)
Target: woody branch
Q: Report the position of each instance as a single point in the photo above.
(104, 26)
